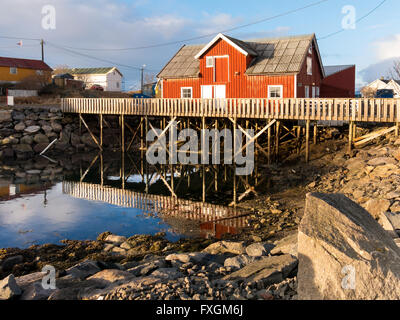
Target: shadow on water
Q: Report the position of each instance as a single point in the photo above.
(46, 201)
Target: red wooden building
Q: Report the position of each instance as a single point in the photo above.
(226, 67)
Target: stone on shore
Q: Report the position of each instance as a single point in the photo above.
(114, 239)
(338, 239)
(83, 270)
(376, 207)
(9, 288)
(269, 270)
(240, 261)
(259, 249)
(226, 247)
(287, 245)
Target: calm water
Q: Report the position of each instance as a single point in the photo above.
(38, 206)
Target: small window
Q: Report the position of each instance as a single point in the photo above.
(39, 72)
(186, 93)
(307, 91)
(209, 62)
(313, 92)
(13, 70)
(275, 91)
(317, 92)
(118, 85)
(309, 66)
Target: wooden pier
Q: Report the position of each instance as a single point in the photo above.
(267, 117)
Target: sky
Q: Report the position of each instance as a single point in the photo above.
(371, 43)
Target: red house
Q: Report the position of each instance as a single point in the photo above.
(226, 67)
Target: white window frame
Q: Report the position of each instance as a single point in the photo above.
(309, 66)
(39, 72)
(208, 59)
(317, 91)
(313, 92)
(191, 92)
(275, 86)
(14, 68)
(306, 91)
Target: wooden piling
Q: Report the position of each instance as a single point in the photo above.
(307, 140)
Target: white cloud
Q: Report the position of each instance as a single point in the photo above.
(215, 23)
(388, 48)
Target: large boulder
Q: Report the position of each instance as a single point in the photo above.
(344, 253)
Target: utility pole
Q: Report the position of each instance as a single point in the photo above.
(42, 44)
(141, 86)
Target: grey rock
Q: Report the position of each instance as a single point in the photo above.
(287, 245)
(9, 288)
(259, 249)
(24, 281)
(84, 269)
(19, 127)
(167, 273)
(226, 246)
(26, 140)
(110, 276)
(239, 261)
(41, 138)
(32, 129)
(334, 233)
(268, 270)
(376, 207)
(147, 268)
(5, 116)
(114, 239)
(35, 291)
(10, 262)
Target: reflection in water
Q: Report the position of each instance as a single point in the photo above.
(121, 195)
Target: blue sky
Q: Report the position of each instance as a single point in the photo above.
(372, 45)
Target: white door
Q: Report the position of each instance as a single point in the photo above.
(206, 92)
(220, 92)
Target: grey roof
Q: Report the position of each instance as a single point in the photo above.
(330, 70)
(90, 70)
(183, 64)
(272, 56)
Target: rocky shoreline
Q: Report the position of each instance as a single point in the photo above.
(150, 267)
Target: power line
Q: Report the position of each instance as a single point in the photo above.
(17, 38)
(358, 20)
(207, 35)
(96, 58)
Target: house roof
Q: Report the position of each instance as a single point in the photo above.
(330, 70)
(24, 64)
(102, 70)
(271, 56)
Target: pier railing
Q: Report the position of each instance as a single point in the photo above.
(318, 109)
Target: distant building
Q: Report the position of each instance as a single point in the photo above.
(66, 80)
(14, 70)
(287, 67)
(110, 79)
(382, 84)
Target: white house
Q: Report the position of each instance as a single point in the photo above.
(110, 79)
(380, 84)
